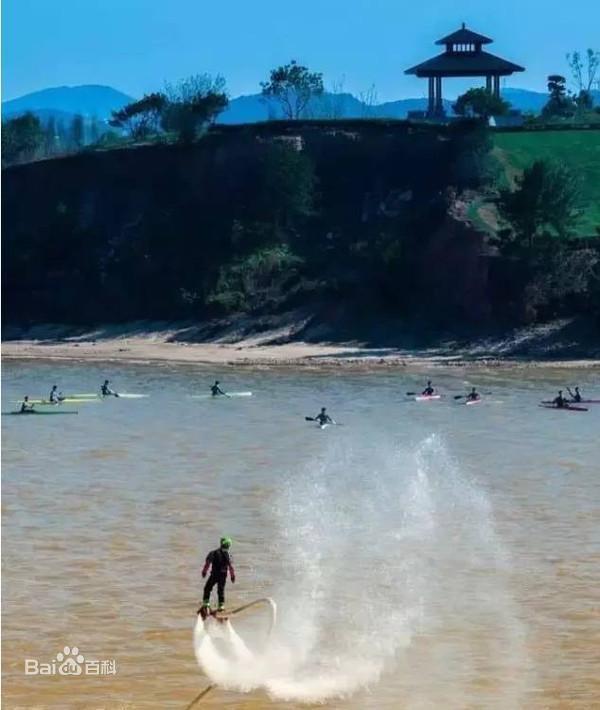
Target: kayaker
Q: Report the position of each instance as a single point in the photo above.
(216, 390)
(575, 396)
(219, 562)
(428, 391)
(106, 390)
(473, 395)
(55, 396)
(26, 407)
(324, 418)
(560, 401)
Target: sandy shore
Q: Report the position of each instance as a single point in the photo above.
(250, 352)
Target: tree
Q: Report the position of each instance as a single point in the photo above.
(192, 103)
(50, 137)
(140, 118)
(289, 182)
(369, 101)
(293, 86)
(559, 104)
(77, 132)
(547, 198)
(94, 130)
(584, 73)
(22, 137)
(480, 103)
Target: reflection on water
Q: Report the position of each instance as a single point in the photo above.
(422, 555)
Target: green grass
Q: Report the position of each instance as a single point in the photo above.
(580, 150)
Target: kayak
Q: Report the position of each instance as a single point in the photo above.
(67, 400)
(124, 395)
(427, 397)
(26, 414)
(572, 401)
(473, 401)
(569, 408)
(222, 396)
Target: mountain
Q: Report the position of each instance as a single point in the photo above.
(63, 102)
(89, 100)
(252, 108)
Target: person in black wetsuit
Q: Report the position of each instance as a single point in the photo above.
(215, 390)
(324, 418)
(106, 391)
(219, 562)
(473, 395)
(560, 401)
(428, 391)
(26, 407)
(575, 396)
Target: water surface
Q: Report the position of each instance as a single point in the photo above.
(422, 555)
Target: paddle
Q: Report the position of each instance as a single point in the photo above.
(310, 419)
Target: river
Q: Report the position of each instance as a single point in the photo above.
(422, 555)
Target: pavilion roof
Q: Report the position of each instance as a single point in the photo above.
(464, 64)
(465, 36)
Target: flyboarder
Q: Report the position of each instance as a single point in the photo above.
(473, 395)
(575, 396)
(219, 562)
(216, 390)
(106, 391)
(26, 407)
(428, 391)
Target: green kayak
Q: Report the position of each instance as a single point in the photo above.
(27, 414)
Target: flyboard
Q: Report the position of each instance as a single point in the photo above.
(217, 624)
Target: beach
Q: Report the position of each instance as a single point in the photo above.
(282, 345)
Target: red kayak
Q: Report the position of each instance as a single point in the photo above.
(567, 408)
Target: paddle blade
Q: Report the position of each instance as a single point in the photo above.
(309, 419)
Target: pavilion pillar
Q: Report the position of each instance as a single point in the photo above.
(497, 86)
(488, 83)
(431, 98)
(439, 106)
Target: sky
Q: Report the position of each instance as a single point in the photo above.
(137, 45)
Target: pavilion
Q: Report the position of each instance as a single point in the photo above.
(463, 57)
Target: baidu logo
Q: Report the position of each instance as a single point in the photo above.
(70, 661)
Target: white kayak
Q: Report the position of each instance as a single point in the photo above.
(427, 397)
(222, 396)
(98, 395)
(128, 395)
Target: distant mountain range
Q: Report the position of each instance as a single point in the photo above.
(90, 100)
(63, 102)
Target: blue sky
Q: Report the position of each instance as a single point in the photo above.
(135, 45)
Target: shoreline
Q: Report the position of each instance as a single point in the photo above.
(247, 353)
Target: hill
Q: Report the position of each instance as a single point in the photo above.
(580, 150)
(95, 100)
(89, 100)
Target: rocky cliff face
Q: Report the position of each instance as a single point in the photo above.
(317, 213)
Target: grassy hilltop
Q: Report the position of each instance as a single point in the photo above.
(578, 149)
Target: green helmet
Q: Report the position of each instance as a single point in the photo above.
(226, 542)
